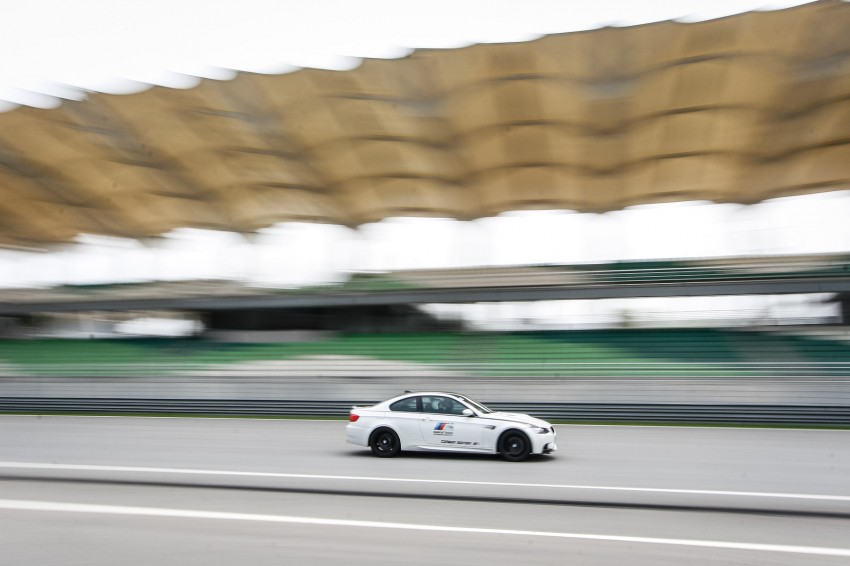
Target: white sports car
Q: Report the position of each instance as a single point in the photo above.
(446, 422)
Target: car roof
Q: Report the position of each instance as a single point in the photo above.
(409, 393)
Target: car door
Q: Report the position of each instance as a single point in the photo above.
(442, 424)
(404, 416)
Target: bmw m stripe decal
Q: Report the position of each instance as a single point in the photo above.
(444, 429)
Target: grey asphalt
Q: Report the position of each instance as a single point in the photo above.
(729, 460)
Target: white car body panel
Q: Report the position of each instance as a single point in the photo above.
(420, 431)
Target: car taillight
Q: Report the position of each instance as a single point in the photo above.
(353, 417)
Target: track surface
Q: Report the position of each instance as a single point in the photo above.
(130, 490)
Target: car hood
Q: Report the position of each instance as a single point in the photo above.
(516, 418)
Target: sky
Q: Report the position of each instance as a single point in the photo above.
(54, 50)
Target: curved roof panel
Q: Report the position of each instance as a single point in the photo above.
(739, 109)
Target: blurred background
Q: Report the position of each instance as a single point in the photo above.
(558, 208)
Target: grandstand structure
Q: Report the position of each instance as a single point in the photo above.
(692, 352)
(365, 297)
(735, 110)
(695, 375)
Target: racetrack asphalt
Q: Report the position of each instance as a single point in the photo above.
(88, 490)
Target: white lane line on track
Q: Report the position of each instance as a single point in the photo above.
(185, 471)
(48, 506)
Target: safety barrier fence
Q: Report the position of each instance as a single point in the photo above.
(572, 412)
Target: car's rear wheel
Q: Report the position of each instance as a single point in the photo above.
(385, 443)
(514, 446)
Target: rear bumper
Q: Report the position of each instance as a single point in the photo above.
(356, 434)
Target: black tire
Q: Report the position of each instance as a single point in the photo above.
(514, 446)
(385, 443)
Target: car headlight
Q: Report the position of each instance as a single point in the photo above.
(538, 429)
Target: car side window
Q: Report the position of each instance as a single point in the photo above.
(409, 405)
(442, 405)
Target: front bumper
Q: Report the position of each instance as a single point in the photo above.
(544, 443)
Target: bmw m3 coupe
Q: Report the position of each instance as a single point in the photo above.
(447, 422)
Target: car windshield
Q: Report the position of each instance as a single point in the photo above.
(476, 405)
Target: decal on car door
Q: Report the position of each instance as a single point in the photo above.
(444, 429)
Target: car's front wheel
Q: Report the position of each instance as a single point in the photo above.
(514, 446)
(385, 443)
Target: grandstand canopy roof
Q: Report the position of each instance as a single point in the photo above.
(738, 109)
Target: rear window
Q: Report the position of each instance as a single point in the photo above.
(409, 405)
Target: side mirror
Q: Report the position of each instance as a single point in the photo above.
(468, 413)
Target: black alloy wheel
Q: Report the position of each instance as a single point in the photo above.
(385, 443)
(515, 446)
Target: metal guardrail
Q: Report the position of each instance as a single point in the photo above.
(573, 412)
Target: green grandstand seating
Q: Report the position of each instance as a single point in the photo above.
(610, 352)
